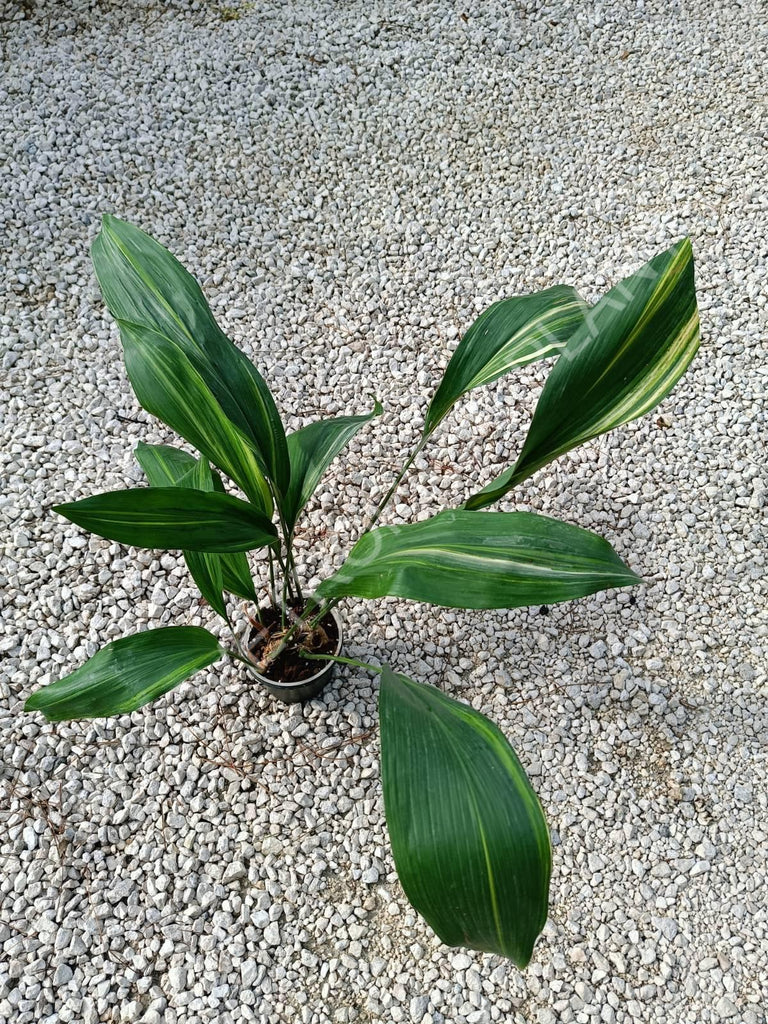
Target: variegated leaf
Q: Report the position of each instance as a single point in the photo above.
(144, 284)
(509, 334)
(462, 559)
(168, 386)
(164, 465)
(312, 449)
(633, 347)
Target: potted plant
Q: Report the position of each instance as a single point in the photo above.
(469, 838)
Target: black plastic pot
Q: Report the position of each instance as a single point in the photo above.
(305, 689)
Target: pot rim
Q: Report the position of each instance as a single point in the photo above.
(285, 684)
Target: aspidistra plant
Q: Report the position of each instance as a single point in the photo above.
(469, 838)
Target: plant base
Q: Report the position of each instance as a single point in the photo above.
(291, 678)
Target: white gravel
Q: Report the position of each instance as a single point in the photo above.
(353, 182)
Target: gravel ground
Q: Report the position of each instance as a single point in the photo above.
(352, 182)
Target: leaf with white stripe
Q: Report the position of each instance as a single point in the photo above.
(461, 559)
(127, 674)
(312, 449)
(509, 334)
(469, 837)
(173, 517)
(633, 347)
(168, 386)
(143, 283)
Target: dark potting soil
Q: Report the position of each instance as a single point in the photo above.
(289, 666)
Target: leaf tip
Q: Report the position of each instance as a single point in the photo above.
(520, 958)
(109, 222)
(681, 252)
(33, 701)
(39, 701)
(630, 577)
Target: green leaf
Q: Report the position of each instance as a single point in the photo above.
(633, 347)
(173, 517)
(205, 566)
(168, 386)
(509, 334)
(164, 465)
(462, 559)
(127, 674)
(205, 569)
(168, 466)
(468, 834)
(312, 449)
(144, 284)
(229, 570)
(236, 576)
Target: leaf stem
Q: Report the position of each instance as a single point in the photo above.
(302, 620)
(326, 606)
(284, 600)
(237, 656)
(285, 576)
(272, 586)
(344, 661)
(324, 609)
(396, 483)
(291, 585)
(292, 565)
